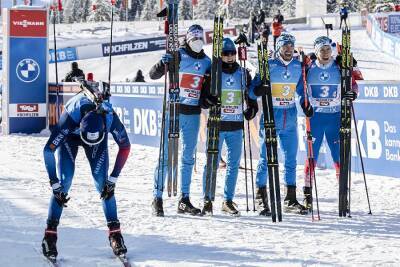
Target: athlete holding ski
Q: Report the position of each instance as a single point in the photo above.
(194, 75)
(231, 124)
(286, 80)
(324, 91)
(85, 123)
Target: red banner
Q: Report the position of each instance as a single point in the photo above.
(28, 23)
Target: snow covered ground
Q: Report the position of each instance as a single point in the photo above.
(183, 240)
(179, 240)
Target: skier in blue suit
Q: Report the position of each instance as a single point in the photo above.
(194, 79)
(83, 123)
(286, 80)
(235, 82)
(323, 82)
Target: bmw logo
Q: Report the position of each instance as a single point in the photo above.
(27, 70)
(230, 81)
(324, 76)
(286, 75)
(197, 66)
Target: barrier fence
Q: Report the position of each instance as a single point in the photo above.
(139, 105)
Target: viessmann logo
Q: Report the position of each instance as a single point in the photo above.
(25, 23)
(27, 108)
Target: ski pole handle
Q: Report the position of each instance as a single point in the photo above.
(166, 27)
(242, 52)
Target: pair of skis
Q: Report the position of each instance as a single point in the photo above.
(271, 141)
(214, 115)
(345, 126)
(123, 258)
(172, 48)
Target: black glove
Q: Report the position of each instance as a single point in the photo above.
(339, 61)
(210, 100)
(308, 110)
(242, 39)
(350, 95)
(251, 110)
(60, 197)
(108, 190)
(262, 89)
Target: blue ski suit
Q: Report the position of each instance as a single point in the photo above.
(231, 125)
(323, 88)
(65, 141)
(194, 70)
(286, 80)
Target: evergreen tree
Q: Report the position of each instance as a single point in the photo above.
(72, 11)
(288, 8)
(185, 9)
(150, 10)
(240, 9)
(86, 8)
(102, 11)
(205, 9)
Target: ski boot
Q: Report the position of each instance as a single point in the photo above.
(184, 206)
(229, 207)
(157, 207)
(307, 202)
(207, 208)
(262, 199)
(116, 240)
(291, 204)
(49, 241)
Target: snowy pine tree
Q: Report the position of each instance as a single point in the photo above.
(102, 11)
(185, 9)
(150, 10)
(73, 11)
(240, 9)
(288, 8)
(205, 9)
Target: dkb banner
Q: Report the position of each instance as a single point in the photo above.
(139, 106)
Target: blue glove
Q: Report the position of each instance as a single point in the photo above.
(166, 58)
(108, 189)
(106, 107)
(60, 197)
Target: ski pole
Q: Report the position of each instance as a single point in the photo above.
(361, 159)
(59, 7)
(244, 135)
(310, 152)
(243, 57)
(111, 41)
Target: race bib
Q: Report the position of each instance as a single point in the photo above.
(283, 93)
(190, 88)
(231, 108)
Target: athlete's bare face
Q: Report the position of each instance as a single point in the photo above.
(287, 51)
(325, 54)
(229, 57)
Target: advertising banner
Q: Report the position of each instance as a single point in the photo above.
(63, 54)
(26, 53)
(139, 106)
(135, 46)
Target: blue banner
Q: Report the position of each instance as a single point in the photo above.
(63, 54)
(394, 23)
(135, 46)
(139, 106)
(28, 70)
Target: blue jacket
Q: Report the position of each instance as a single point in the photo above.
(68, 125)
